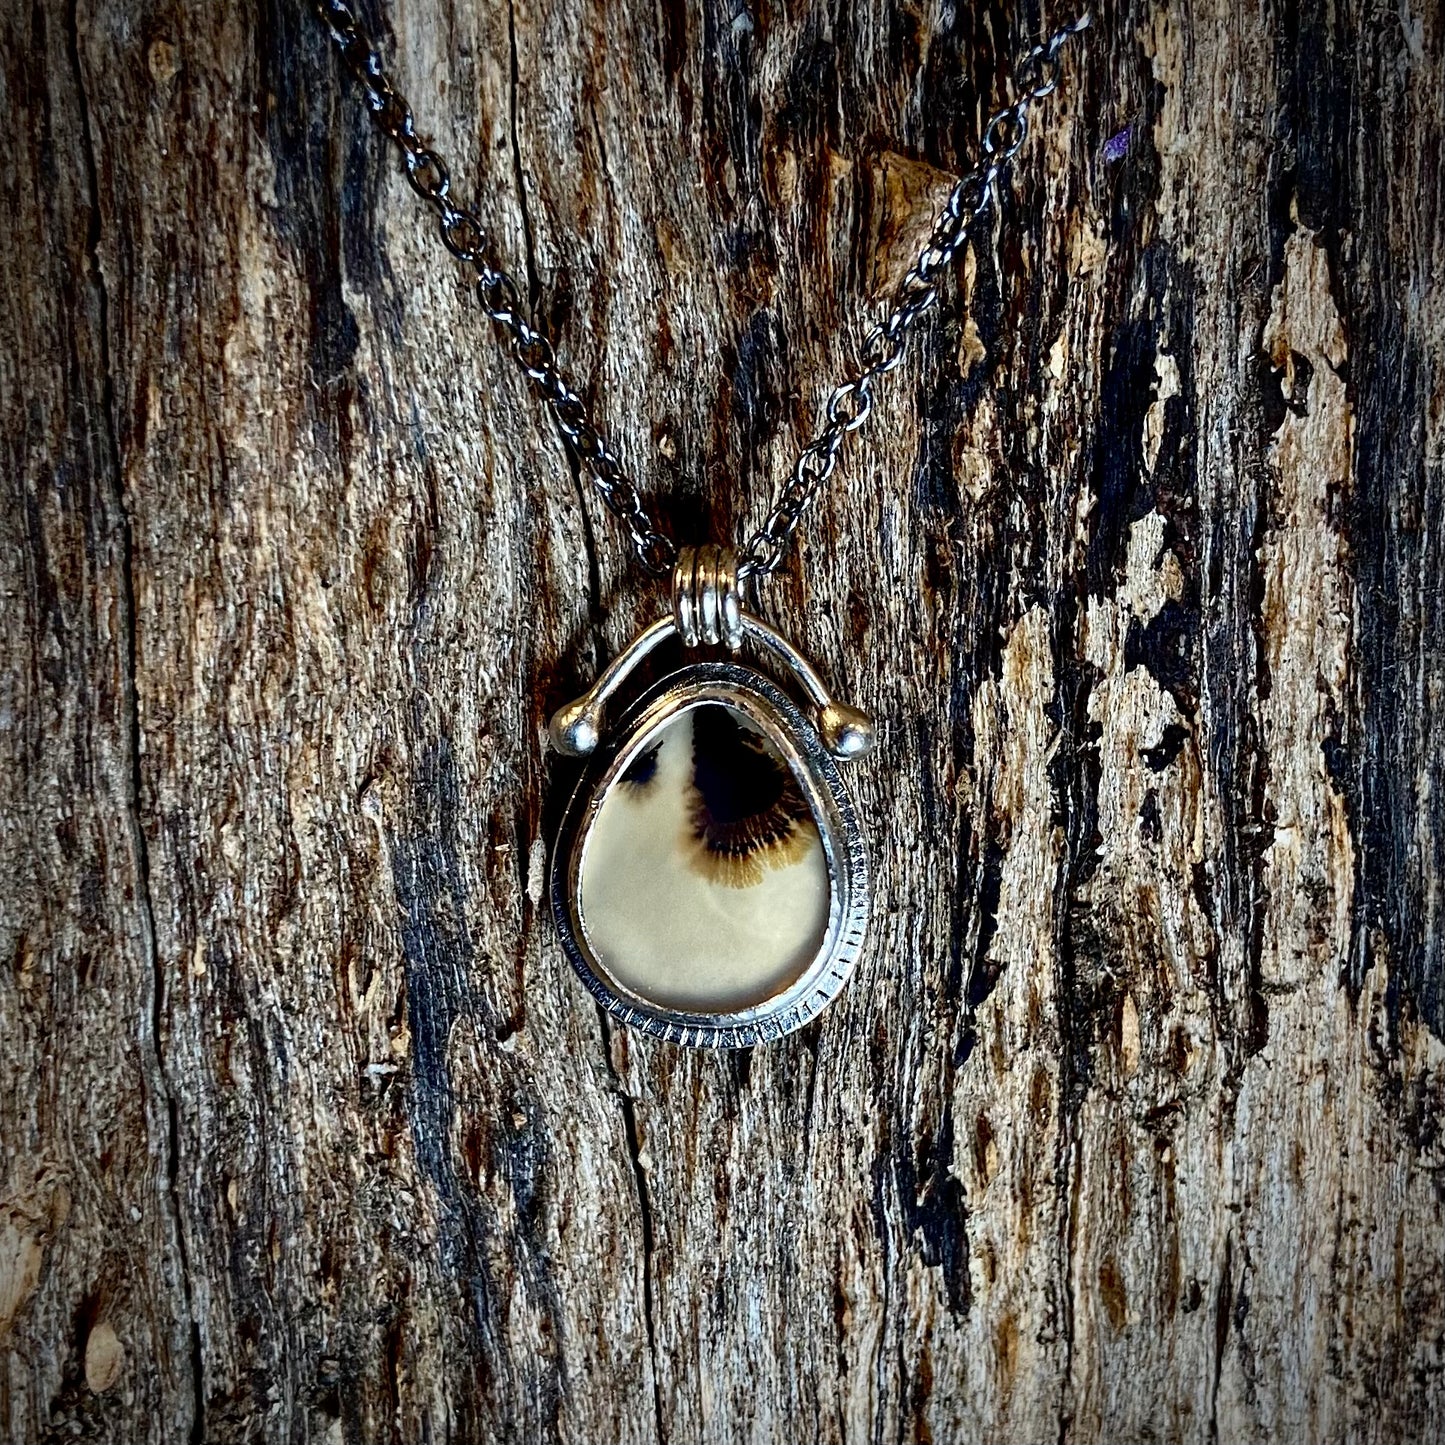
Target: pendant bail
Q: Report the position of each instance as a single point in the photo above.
(705, 603)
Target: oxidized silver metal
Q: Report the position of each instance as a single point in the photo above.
(882, 350)
(836, 731)
(576, 727)
(706, 605)
(765, 704)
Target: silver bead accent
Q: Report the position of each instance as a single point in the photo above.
(576, 727)
(848, 732)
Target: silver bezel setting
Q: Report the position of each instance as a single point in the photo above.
(850, 897)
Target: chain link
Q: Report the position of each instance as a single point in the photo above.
(850, 404)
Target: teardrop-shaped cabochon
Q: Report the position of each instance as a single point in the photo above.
(710, 883)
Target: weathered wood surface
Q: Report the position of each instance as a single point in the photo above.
(1130, 1127)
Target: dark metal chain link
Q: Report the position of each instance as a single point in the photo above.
(847, 409)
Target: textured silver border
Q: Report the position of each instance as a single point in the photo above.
(847, 859)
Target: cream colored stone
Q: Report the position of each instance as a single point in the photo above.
(676, 918)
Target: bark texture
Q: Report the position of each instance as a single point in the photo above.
(1130, 1127)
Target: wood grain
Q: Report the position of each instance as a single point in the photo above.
(1130, 1127)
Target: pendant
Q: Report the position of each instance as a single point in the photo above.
(710, 882)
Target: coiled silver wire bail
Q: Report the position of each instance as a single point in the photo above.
(706, 604)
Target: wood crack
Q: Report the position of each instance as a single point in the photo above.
(110, 442)
(1222, 1301)
(1071, 1169)
(534, 294)
(534, 288)
(644, 1205)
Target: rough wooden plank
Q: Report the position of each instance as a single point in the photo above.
(1129, 1127)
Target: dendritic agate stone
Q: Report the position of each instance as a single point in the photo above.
(704, 886)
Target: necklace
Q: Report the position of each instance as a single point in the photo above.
(710, 880)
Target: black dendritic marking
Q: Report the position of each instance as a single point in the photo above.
(642, 769)
(746, 813)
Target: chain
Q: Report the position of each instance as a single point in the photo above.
(882, 350)
(464, 236)
(848, 407)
